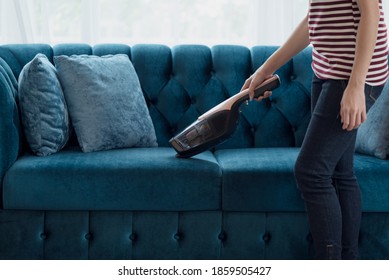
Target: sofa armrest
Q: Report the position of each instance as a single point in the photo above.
(10, 128)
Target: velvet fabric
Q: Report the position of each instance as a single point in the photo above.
(126, 179)
(171, 235)
(105, 101)
(10, 126)
(373, 180)
(264, 181)
(43, 108)
(18, 55)
(153, 235)
(259, 180)
(373, 135)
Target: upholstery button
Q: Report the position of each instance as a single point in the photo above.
(193, 100)
(177, 236)
(252, 130)
(266, 237)
(293, 77)
(132, 236)
(88, 236)
(153, 102)
(43, 236)
(222, 236)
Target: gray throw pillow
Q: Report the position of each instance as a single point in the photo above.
(43, 109)
(105, 102)
(373, 134)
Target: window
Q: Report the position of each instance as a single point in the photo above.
(170, 22)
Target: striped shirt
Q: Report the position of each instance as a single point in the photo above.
(333, 28)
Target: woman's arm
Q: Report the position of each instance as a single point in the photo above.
(295, 43)
(353, 108)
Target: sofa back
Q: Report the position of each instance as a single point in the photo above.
(180, 84)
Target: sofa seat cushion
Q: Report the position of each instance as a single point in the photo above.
(262, 179)
(123, 179)
(259, 179)
(373, 179)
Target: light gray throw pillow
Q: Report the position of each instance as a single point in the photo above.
(105, 102)
(373, 134)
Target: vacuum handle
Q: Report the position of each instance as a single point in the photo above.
(268, 85)
(235, 100)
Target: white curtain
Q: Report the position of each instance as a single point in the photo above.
(170, 22)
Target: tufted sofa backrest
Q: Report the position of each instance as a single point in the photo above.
(183, 82)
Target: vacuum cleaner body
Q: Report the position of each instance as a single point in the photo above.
(218, 124)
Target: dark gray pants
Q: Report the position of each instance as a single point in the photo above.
(324, 173)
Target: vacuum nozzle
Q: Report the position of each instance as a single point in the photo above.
(217, 124)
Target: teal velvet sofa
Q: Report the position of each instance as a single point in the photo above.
(237, 201)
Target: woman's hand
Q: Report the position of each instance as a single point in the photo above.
(353, 107)
(298, 40)
(254, 81)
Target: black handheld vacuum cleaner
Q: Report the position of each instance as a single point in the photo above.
(218, 124)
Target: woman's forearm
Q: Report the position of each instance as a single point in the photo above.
(295, 44)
